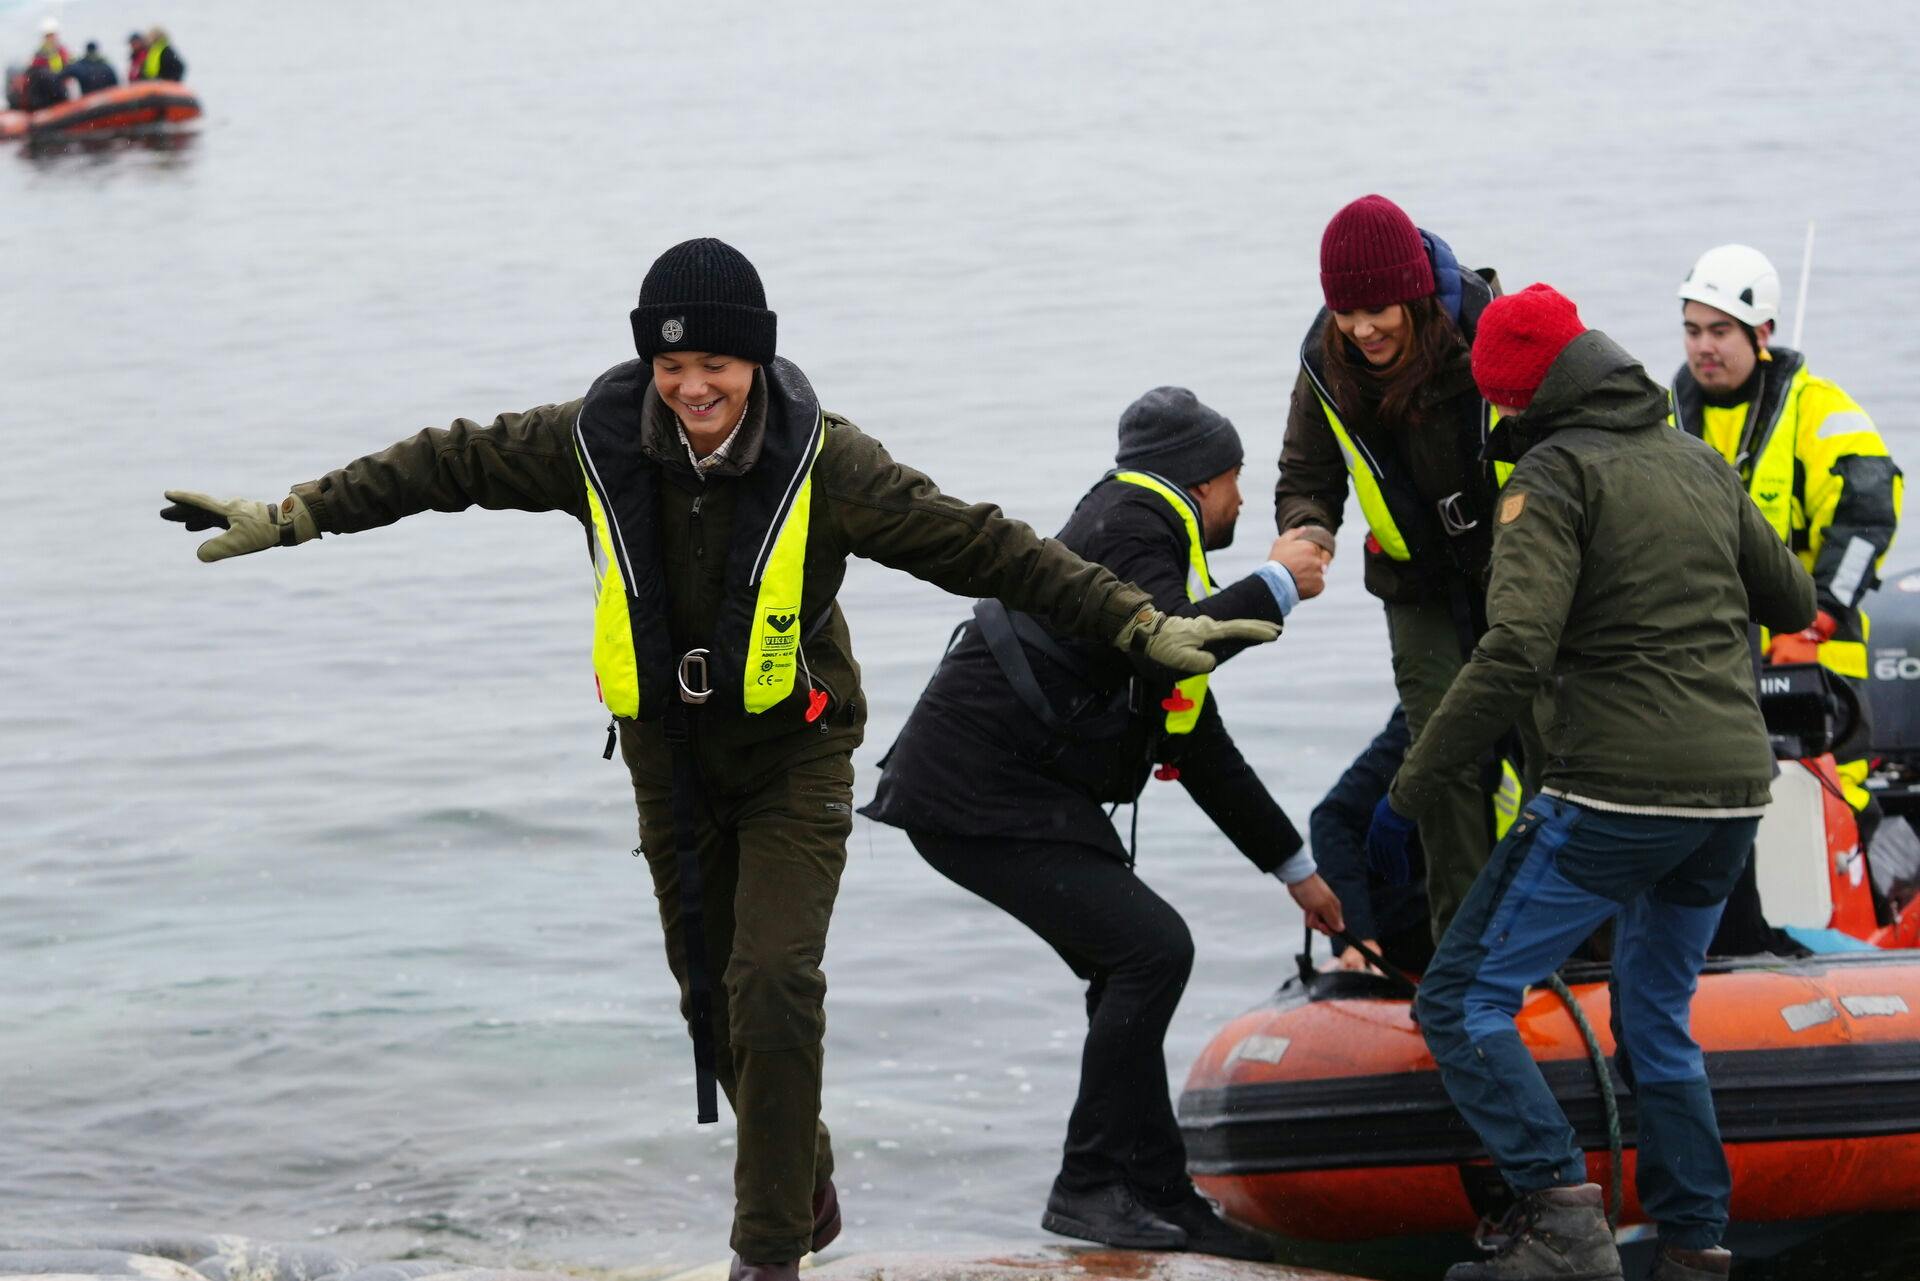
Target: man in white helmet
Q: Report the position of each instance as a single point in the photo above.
(1811, 458)
(46, 86)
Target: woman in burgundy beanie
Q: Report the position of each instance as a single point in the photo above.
(1386, 404)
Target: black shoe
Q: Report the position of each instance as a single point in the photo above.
(826, 1216)
(1208, 1233)
(741, 1270)
(1110, 1215)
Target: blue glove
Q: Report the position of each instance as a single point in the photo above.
(1387, 839)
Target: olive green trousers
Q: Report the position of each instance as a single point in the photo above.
(770, 864)
(1457, 831)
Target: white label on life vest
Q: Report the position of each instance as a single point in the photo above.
(1258, 1049)
(1866, 1007)
(1812, 1014)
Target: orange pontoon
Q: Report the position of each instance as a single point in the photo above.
(145, 105)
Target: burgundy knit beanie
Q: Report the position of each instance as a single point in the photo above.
(1519, 337)
(1372, 256)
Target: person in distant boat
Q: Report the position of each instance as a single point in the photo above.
(46, 74)
(1628, 564)
(1003, 772)
(157, 58)
(1384, 406)
(720, 504)
(136, 56)
(90, 72)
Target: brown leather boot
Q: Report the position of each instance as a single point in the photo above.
(1555, 1234)
(1674, 1264)
(826, 1216)
(741, 1270)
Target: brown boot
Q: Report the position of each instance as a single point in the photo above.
(1674, 1264)
(1555, 1234)
(826, 1216)
(741, 1270)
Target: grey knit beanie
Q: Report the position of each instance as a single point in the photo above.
(1170, 433)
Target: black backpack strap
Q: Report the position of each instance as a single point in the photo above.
(1007, 636)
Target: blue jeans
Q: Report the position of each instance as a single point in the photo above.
(1561, 872)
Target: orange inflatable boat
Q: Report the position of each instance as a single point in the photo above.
(1320, 1115)
(145, 105)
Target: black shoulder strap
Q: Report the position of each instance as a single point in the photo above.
(1006, 640)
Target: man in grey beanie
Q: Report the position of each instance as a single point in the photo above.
(1025, 735)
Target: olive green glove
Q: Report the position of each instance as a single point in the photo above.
(251, 526)
(1179, 643)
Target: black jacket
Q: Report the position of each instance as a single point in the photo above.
(972, 760)
(92, 73)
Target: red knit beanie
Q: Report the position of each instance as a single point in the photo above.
(1518, 339)
(1372, 256)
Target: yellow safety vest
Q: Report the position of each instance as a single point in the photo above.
(150, 70)
(1507, 799)
(1770, 467)
(1183, 706)
(55, 63)
(1366, 473)
(765, 648)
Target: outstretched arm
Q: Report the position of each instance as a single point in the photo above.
(890, 513)
(523, 461)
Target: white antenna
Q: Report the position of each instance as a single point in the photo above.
(1806, 273)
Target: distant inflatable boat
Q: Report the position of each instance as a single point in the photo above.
(140, 107)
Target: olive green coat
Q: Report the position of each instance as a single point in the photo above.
(864, 504)
(1628, 562)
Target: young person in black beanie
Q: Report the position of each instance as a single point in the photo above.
(1027, 732)
(720, 504)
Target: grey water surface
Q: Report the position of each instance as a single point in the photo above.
(318, 919)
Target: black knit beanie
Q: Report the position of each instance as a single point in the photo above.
(1170, 433)
(703, 295)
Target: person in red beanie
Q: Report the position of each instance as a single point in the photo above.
(1385, 402)
(1628, 562)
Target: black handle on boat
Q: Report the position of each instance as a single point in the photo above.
(1379, 962)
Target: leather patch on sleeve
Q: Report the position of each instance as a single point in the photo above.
(1511, 507)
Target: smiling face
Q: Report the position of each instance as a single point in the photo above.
(1381, 333)
(1719, 354)
(706, 391)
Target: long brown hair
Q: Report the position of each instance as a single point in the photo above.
(1435, 342)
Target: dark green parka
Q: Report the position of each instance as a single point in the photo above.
(864, 504)
(1628, 562)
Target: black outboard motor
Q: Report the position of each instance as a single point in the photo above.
(1807, 710)
(1893, 671)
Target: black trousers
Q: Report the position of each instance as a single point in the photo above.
(1135, 953)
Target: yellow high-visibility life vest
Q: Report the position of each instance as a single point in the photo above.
(1183, 706)
(761, 643)
(150, 70)
(1507, 799)
(1366, 472)
(1773, 456)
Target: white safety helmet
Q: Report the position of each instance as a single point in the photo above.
(1738, 280)
(50, 27)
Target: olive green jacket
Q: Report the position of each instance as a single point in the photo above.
(864, 504)
(1628, 562)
